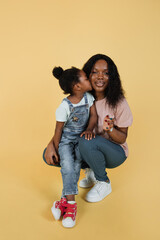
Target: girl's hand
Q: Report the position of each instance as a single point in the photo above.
(108, 123)
(88, 134)
(51, 155)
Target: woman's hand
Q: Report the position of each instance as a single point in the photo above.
(51, 155)
(118, 135)
(108, 123)
(88, 134)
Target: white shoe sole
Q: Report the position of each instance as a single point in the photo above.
(95, 199)
(56, 212)
(88, 185)
(69, 224)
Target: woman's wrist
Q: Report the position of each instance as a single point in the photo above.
(111, 129)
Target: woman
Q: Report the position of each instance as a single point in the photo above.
(109, 148)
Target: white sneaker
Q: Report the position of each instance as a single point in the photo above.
(69, 217)
(89, 180)
(99, 191)
(58, 208)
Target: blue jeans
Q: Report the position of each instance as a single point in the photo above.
(83, 164)
(100, 153)
(70, 158)
(70, 162)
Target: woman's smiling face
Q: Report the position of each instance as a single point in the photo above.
(99, 77)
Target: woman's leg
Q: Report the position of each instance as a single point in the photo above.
(100, 153)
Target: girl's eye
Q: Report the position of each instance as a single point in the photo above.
(106, 73)
(94, 72)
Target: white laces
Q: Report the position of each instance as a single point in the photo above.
(99, 185)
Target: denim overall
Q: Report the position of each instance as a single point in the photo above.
(70, 158)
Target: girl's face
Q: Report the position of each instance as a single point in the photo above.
(99, 76)
(84, 82)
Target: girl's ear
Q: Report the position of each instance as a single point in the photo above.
(77, 87)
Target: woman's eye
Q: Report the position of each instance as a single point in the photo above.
(94, 72)
(106, 73)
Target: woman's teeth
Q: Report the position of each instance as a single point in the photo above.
(99, 84)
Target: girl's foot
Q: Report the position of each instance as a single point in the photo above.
(69, 217)
(58, 208)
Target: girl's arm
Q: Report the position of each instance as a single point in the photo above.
(57, 134)
(93, 118)
(52, 148)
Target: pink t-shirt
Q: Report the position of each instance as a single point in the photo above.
(122, 117)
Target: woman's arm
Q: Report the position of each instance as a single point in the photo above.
(92, 123)
(52, 148)
(118, 135)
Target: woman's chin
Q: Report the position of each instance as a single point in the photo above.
(99, 89)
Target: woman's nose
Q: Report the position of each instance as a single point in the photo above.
(100, 75)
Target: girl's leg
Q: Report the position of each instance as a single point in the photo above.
(100, 153)
(78, 163)
(70, 197)
(83, 164)
(77, 168)
(68, 171)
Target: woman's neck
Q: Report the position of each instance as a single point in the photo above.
(99, 96)
(76, 97)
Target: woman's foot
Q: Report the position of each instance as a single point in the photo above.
(99, 191)
(89, 180)
(69, 217)
(58, 208)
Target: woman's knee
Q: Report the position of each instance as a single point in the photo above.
(84, 144)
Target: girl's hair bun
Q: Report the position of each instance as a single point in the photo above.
(57, 72)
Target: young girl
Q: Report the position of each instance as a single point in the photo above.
(72, 117)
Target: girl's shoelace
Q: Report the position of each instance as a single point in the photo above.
(70, 210)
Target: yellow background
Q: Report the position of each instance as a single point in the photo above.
(36, 36)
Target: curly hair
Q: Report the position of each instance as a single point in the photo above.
(67, 78)
(114, 91)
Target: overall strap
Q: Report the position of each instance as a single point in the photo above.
(69, 103)
(85, 98)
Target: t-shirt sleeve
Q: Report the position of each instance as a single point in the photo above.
(62, 112)
(123, 116)
(90, 99)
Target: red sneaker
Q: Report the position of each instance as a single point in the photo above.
(69, 217)
(58, 208)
